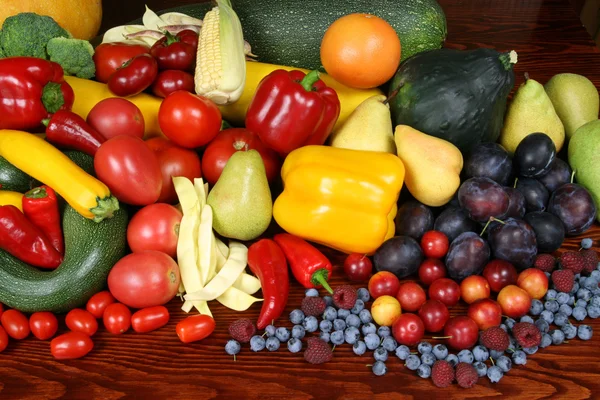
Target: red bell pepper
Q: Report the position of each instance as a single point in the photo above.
(309, 266)
(133, 77)
(40, 206)
(267, 262)
(291, 109)
(22, 239)
(67, 129)
(30, 90)
(176, 52)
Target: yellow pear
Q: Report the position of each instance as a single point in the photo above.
(432, 165)
(369, 127)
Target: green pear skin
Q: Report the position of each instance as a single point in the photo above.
(575, 99)
(584, 158)
(241, 198)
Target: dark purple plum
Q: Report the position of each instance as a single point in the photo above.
(489, 160)
(514, 241)
(414, 219)
(536, 195)
(483, 198)
(516, 203)
(467, 256)
(453, 221)
(558, 174)
(534, 155)
(574, 206)
(400, 255)
(549, 230)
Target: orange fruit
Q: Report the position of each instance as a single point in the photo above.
(361, 51)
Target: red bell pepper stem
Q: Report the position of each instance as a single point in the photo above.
(309, 266)
(40, 206)
(268, 263)
(22, 239)
(309, 80)
(67, 129)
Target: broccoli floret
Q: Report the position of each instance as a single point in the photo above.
(26, 34)
(74, 56)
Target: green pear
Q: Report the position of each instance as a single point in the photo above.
(369, 127)
(584, 158)
(531, 111)
(241, 198)
(575, 99)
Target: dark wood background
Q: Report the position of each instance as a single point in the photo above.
(549, 39)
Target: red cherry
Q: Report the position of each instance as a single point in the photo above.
(434, 314)
(383, 283)
(445, 290)
(411, 296)
(358, 267)
(434, 244)
(486, 313)
(408, 329)
(431, 270)
(500, 273)
(461, 332)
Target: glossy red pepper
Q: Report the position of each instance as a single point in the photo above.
(40, 206)
(267, 261)
(309, 266)
(172, 80)
(176, 52)
(291, 110)
(22, 239)
(30, 90)
(108, 57)
(135, 76)
(67, 129)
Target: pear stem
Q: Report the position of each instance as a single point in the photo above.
(515, 185)
(572, 176)
(487, 224)
(393, 94)
(526, 75)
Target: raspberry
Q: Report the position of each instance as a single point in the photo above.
(318, 352)
(563, 280)
(466, 375)
(242, 330)
(545, 262)
(344, 297)
(495, 338)
(590, 260)
(313, 306)
(442, 373)
(572, 260)
(527, 334)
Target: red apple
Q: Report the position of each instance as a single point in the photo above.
(486, 313)
(445, 290)
(411, 296)
(500, 273)
(434, 314)
(534, 281)
(408, 329)
(383, 283)
(431, 270)
(461, 332)
(515, 302)
(473, 288)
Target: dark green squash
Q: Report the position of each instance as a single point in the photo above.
(457, 95)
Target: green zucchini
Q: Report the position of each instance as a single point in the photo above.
(91, 250)
(12, 178)
(85, 161)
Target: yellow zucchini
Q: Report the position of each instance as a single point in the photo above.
(8, 197)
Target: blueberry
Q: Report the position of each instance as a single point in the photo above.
(325, 326)
(298, 331)
(551, 305)
(504, 327)
(551, 294)
(351, 335)
(575, 288)
(526, 318)
(310, 324)
(358, 306)
(311, 292)
(481, 368)
(424, 371)
(480, 353)
(504, 363)
(328, 300)
(510, 322)
(330, 314)
(584, 332)
(595, 274)
(365, 316)
(413, 362)
(402, 352)
(530, 350)
(593, 311)
(383, 331)
(570, 331)
(494, 373)
(270, 330)
(519, 357)
(566, 309)
(359, 348)
(581, 303)
(571, 301)
(546, 340)
(579, 313)
(536, 307)
(560, 319)
(283, 334)
(598, 266)
(257, 343)
(548, 316)
(424, 347)
(389, 343)
(584, 294)
(368, 328)
(496, 354)
(363, 294)
(428, 359)
(372, 341)
(232, 347)
(440, 351)
(562, 298)
(557, 335)
(325, 336)
(294, 345)
(380, 354)
(548, 275)
(337, 337)
(272, 343)
(512, 345)
(343, 313)
(586, 243)
(452, 359)
(353, 320)
(465, 356)
(339, 324)
(542, 325)
(297, 316)
(590, 283)
(379, 368)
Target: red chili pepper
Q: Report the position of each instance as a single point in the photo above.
(108, 57)
(22, 239)
(291, 110)
(135, 76)
(172, 80)
(267, 261)
(30, 90)
(176, 52)
(69, 130)
(310, 267)
(40, 206)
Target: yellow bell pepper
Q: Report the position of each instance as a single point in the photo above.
(8, 197)
(341, 198)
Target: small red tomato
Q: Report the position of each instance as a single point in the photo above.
(133, 77)
(383, 283)
(172, 80)
(171, 52)
(43, 325)
(149, 319)
(358, 267)
(430, 270)
(435, 244)
(117, 117)
(411, 296)
(3, 339)
(98, 303)
(434, 314)
(408, 329)
(1, 309)
(194, 328)
(108, 57)
(71, 345)
(445, 290)
(79, 320)
(155, 227)
(15, 324)
(117, 318)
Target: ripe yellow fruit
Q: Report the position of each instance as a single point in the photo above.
(81, 18)
(385, 310)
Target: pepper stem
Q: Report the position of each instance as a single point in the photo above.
(170, 38)
(52, 97)
(309, 80)
(320, 278)
(37, 193)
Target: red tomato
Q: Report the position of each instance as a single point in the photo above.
(115, 117)
(130, 170)
(117, 318)
(71, 345)
(189, 120)
(43, 325)
(135, 76)
(149, 319)
(79, 320)
(3, 339)
(110, 56)
(194, 328)
(229, 141)
(172, 80)
(155, 227)
(434, 244)
(1, 309)
(15, 324)
(98, 303)
(145, 279)
(174, 161)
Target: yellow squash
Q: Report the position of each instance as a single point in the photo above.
(39, 159)
(344, 199)
(8, 197)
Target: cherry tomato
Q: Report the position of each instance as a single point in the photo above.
(149, 319)
(172, 80)
(116, 117)
(174, 161)
(98, 303)
(43, 325)
(434, 315)
(171, 52)
(383, 283)
(130, 170)
(411, 296)
(430, 270)
(408, 329)
(445, 290)
(117, 318)
(190, 37)
(194, 328)
(3, 339)
(434, 244)
(15, 324)
(358, 267)
(155, 227)
(79, 320)
(108, 57)
(71, 345)
(1, 309)
(189, 120)
(229, 141)
(133, 77)
(145, 279)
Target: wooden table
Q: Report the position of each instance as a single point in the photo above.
(549, 39)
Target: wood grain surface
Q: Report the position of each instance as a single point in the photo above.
(549, 39)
